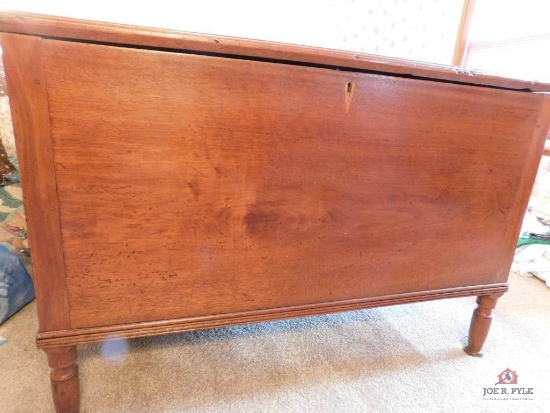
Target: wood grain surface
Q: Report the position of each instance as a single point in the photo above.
(22, 56)
(127, 35)
(540, 134)
(64, 380)
(480, 324)
(54, 339)
(193, 185)
(175, 181)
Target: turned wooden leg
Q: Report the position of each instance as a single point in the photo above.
(64, 379)
(481, 321)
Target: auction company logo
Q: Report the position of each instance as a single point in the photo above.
(507, 392)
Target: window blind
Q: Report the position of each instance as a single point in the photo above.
(511, 39)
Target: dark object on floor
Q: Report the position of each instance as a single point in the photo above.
(16, 287)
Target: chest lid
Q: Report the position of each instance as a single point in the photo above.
(183, 42)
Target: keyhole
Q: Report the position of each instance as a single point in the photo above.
(349, 88)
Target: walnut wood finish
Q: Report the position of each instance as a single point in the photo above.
(251, 182)
(540, 134)
(126, 35)
(481, 321)
(64, 379)
(177, 181)
(143, 329)
(23, 63)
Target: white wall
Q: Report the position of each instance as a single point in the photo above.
(414, 29)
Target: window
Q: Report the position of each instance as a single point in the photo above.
(510, 39)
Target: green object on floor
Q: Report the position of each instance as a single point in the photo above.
(528, 241)
(3, 340)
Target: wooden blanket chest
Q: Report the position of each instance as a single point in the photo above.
(176, 181)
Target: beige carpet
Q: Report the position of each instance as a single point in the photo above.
(405, 358)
